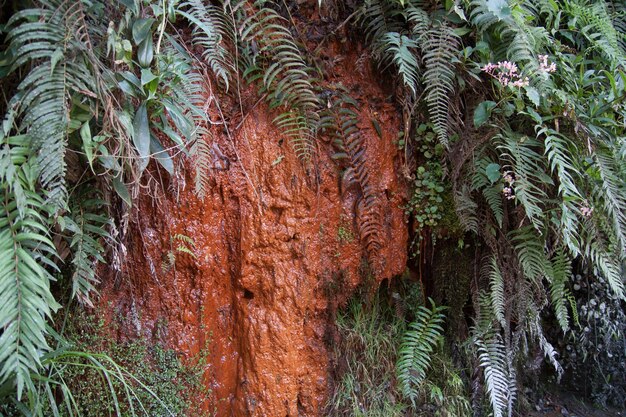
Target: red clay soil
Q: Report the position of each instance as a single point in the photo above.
(269, 261)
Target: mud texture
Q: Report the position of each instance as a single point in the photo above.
(276, 247)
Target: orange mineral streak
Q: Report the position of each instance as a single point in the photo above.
(269, 263)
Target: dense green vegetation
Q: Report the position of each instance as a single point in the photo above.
(392, 335)
(524, 97)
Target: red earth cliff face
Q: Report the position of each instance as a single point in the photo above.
(276, 244)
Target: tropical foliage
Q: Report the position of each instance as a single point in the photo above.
(392, 334)
(526, 99)
(537, 168)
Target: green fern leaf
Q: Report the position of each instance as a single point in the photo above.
(287, 77)
(530, 250)
(377, 19)
(203, 164)
(491, 193)
(439, 50)
(401, 47)
(25, 251)
(612, 193)
(417, 345)
(466, 209)
(211, 29)
(594, 21)
(420, 20)
(88, 228)
(496, 295)
(528, 165)
(557, 148)
(492, 357)
(484, 16)
(561, 271)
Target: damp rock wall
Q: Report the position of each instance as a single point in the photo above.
(275, 247)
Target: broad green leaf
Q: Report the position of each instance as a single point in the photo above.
(508, 109)
(536, 116)
(121, 190)
(500, 8)
(88, 144)
(181, 122)
(142, 30)
(462, 31)
(533, 95)
(493, 172)
(128, 88)
(125, 119)
(131, 78)
(147, 76)
(131, 5)
(108, 161)
(127, 46)
(141, 136)
(459, 12)
(483, 112)
(174, 136)
(161, 155)
(145, 52)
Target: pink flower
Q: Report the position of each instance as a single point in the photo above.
(508, 193)
(508, 177)
(521, 83)
(586, 211)
(544, 66)
(506, 73)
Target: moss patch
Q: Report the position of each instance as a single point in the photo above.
(160, 383)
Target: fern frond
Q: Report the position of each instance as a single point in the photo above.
(203, 163)
(88, 229)
(523, 43)
(557, 148)
(353, 143)
(527, 164)
(440, 50)
(530, 251)
(417, 345)
(211, 30)
(466, 209)
(186, 99)
(419, 19)
(25, 252)
(186, 245)
(55, 37)
(45, 120)
(618, 16)
(483, 15)
(287, 78)
(496, 295)
(608, 263)
(298, 128)
(491, 193)
(378, 18)
(401, 47)
(536, 332)
(595, 23)
(561, 271)
(612, 193)
(493, 358)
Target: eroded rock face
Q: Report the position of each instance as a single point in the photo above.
(276, 244)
